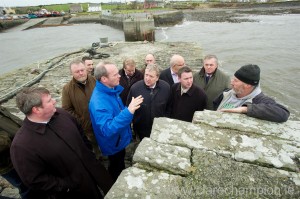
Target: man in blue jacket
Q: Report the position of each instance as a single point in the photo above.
(110, 119)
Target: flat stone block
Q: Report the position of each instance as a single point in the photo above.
(173, 159)
(138, 183)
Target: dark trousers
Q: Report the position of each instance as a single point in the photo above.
(143, 134)
(116, 164)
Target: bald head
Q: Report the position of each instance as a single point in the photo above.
(176, 63)
(149, 59)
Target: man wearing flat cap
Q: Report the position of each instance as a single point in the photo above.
(246, 97)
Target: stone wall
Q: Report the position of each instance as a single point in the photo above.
(112, 21)
(168, 18)
(219, 155)
(139, 29)
(6, 24)
(84, 19)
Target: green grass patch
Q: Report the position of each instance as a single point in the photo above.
(58, 7)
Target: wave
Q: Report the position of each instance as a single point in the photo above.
(163, 33)
(185, 23)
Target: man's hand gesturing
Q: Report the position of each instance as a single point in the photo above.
(135, 104)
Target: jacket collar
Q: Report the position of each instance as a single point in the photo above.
(202, 72)
(39, 128)
(189, 92)
(74, 81)
(123, 74)
(116, 90)
(157, 85)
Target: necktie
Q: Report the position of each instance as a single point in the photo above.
(207, 77)
(151, 91)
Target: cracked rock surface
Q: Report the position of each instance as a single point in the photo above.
(219, 155)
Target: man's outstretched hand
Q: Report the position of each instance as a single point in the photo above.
(135, 104)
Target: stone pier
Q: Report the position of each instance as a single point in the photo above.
(219, 155)
(141, 26)
(139, 30)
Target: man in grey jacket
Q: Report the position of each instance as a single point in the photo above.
(246, 97)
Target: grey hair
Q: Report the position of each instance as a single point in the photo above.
(207, 57)
(128, 62)
(153, 67)
(100, 70)
(76, 62)
(30, 97)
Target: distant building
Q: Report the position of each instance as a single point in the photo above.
(153, 4)
(94, 7)
(75, 8)
(8, 11)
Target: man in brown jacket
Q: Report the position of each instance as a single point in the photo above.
(76, 95)
(51, 154)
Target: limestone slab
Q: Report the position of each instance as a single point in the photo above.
(289, 130)
(237, 144)
(138, 183)
(174, 159)
(221, 177)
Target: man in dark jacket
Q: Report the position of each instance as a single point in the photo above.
(155, 93)
(51, 154)
(149, 59)
(129, 75)
(170, 75)
(246, 97)
(186, 98)
(9, 125)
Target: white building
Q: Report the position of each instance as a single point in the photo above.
(94, 7)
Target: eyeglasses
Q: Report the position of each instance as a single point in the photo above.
(181, 65)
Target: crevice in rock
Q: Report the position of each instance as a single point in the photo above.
(151, 168)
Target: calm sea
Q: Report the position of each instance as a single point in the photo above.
(273, 43)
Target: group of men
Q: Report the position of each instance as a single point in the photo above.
(56, 151)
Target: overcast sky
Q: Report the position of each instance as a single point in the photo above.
(14, 3)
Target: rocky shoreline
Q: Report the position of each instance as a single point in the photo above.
(232, 12)
(218, 12)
